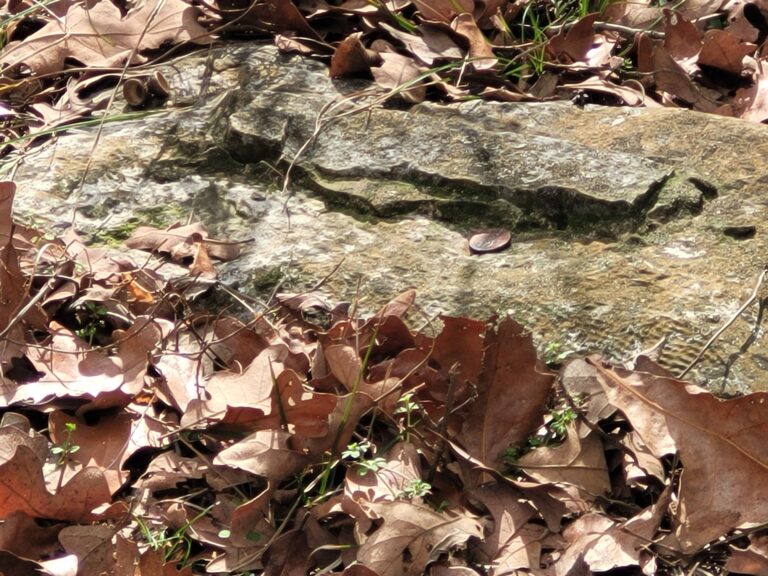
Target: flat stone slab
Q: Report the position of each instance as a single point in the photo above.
(472, 151)
(629, 225)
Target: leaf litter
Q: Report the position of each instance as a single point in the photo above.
(59, 62)
(143, 435)
(163, 439)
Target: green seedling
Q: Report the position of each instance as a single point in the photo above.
(92, 317)
(558, 426)
(67, 447)
(409, 407)
(175, 545)
(357, 451)
(370, 465)
(554, 352)
(551, 434)
(416, 488)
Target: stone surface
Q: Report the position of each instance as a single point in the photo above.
(623, 219)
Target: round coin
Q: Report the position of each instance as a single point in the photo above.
(490, 241)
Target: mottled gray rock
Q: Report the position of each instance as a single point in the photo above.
(626, 222)
(450, 159)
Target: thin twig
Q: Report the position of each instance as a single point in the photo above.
(725, 326)
(747, 343)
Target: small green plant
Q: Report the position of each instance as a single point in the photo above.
(175, 545)
(91, 316)
(67, 447)
(416, 488)
(552, 433)
(559, 424)
(370, 465)
(357, 451)
(554, 352)
(408, 406)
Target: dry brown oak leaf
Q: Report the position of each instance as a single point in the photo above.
(99, 37)
(721, 444)
(512, 392)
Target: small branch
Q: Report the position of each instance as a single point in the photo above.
(725, 326)
(747, 343)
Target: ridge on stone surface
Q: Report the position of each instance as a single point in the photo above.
(619, 215)
(475, 149)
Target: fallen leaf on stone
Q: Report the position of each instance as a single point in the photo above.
(92, 546)
(249, 522)
(289, 554)
(351, 57)
(201, 262)
(600, 544)
(682, 41)
(178, 241)
(580, 43)
(340, 425)
(181, 374)
(461, 342)
(513, 544)
(739, 24)
(227, 394)
(398, 306)
(304, 301)
(580, 380)
(752, 102)
(402, 468)
(671, 77)
(752, 560)
(639, 463)
(345, 365)
(279, 15)
(22, 489)
(639, 15)
(266, 453)
(169, 469)
(504, 95)
(22, 536)
(70, 370)
(106, 445)
(432, 44)
(305, 413)
(724, 51)
(490, 241)
(628, 93)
